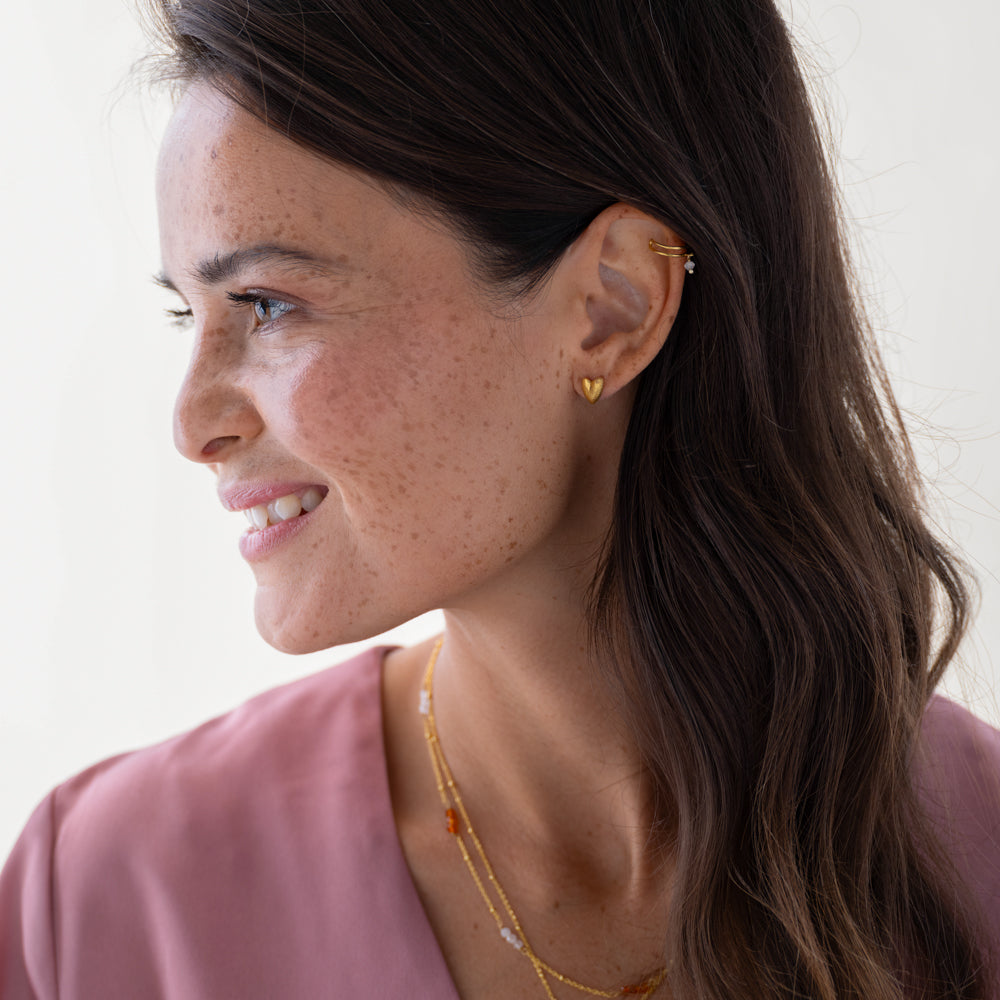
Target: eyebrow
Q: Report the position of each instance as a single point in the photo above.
(224, 267)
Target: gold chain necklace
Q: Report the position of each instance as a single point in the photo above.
(456, 818)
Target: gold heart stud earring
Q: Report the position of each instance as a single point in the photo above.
(592, 388)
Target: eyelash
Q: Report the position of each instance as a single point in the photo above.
(179, 317)
(183, 317)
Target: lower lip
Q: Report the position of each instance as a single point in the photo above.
(260, 543)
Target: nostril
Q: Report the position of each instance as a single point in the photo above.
(216, 445)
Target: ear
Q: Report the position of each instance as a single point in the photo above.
(629, 295)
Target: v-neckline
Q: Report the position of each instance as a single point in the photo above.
(444, 985)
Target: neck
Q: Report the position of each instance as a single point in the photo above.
(541, 754)
(551, 779)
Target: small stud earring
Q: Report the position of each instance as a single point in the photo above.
(592, 388)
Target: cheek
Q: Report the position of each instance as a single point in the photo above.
(411, 382)
(436, 432)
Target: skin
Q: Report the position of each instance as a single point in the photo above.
(464, 471)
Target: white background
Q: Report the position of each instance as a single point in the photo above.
(126, 611)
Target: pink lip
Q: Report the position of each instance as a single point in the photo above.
(243, 496)
(240, 496)
(256, 544)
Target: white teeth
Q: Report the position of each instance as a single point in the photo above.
(284, 508)
(258, 516)
(311, 499)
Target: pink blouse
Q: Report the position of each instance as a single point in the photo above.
(256, 857)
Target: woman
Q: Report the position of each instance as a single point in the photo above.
(538, 314)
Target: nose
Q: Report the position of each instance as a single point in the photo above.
(214, 412)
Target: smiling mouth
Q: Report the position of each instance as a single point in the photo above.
(284, 508)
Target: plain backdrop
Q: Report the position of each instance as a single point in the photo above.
(126, 610)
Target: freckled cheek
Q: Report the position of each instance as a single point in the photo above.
(336, 411)
(415, 397)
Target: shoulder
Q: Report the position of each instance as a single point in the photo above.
(206, 863)
(208, 770)
(958, 771)
(958, 782)
(234, 772)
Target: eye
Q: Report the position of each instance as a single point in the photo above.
(266, 310)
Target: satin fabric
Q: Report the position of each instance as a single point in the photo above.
(255, 858)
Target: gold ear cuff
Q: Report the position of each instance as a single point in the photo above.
(682, 251)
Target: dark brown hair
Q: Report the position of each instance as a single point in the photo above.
(768, 589)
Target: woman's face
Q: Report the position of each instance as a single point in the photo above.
(342, 349)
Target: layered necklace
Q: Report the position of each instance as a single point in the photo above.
(460, 827)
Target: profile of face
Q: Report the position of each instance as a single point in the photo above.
(343, 349)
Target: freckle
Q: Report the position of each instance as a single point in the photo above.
(218, 210)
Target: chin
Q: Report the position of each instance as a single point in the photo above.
(291, 641)
(296, 630)
(292, 629)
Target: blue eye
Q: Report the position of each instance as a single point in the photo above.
(267, 310)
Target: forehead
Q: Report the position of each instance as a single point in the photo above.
(225, 180)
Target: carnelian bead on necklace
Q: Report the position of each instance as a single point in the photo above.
(459, 825)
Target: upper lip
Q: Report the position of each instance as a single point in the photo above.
(243, 496)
